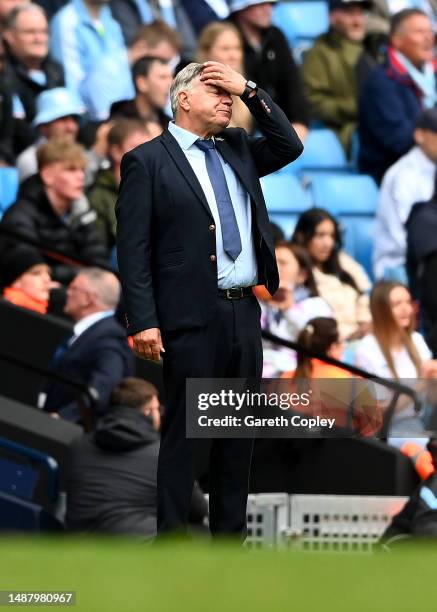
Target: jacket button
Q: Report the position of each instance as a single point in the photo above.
(212, 257)
(211, 227)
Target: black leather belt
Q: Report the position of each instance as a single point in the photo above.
(235, 293)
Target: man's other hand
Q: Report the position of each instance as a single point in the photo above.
(221, 75)
(148, 344)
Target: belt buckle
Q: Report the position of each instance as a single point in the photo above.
(230, 296)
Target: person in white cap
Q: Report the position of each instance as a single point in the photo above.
(268, 60)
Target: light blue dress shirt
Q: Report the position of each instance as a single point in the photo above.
(243, 271)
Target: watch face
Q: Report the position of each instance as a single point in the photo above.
(251, 85)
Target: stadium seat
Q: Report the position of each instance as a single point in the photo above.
(286, 222)
(322, 151)
(343, 193)
(284, 193)
(21, 515)
(301, 21)
(22, 469)
(8, 188)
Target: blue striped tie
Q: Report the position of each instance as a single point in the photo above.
(228, 221)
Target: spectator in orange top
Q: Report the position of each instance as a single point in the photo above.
(27, 279)
(322, 335)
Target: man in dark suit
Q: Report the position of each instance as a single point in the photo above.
(193, 239)
(97, 354)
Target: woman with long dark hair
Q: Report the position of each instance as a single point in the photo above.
(340, 280)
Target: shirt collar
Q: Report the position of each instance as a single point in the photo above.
(85, 16)
(89, 320)
(423, 159)
(184, 138)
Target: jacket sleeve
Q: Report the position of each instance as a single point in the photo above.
(113, 362)
(134, 244)
(279, 144)
(382, 113)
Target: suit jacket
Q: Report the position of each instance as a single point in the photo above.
(166, 242)
(99, 358)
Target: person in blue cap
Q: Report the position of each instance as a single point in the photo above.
(57, 114)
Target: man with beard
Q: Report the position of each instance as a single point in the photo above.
(330, 68)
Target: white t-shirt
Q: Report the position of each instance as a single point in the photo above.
(369, 357)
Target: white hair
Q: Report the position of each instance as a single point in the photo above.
(183, 81)
(26, 7)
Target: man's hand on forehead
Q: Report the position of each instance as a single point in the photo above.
(223, 77)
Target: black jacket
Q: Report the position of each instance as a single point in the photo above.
(111, 476)
(99, 358)
(166, 234)
(28, 90)
(421, 229)
(419, 515)
(33, 216)
(6, 124)
(273, 68)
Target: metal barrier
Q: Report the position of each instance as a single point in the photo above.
(319, 522)
(268, 518)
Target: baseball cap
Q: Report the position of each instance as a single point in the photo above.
(56, 103)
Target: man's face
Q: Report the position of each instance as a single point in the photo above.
(156, 85)
(259, 15)
(349, 22)
(152, 410)
(64, 126)
(209, 107)
(130, 142)
(415, 39)
(80, 297)
(66, 180)
(6, 7)
(28, 40)
(427, 141)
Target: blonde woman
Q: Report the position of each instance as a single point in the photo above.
(395, 350)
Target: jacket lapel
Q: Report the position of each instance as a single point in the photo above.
(183, 164)
(238, 166)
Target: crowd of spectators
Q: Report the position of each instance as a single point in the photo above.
(82, 82)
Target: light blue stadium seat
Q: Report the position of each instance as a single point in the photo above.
(322, 151)
(286, 222)
(284, 193)
(358, 239)
(343, 193)
(301, 21)
(8, 188)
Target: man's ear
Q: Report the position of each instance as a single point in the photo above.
(8, 36)
(142, 84)
(46, 175)
(418, 136)
(184, 102)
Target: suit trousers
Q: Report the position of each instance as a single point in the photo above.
(227, 347)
